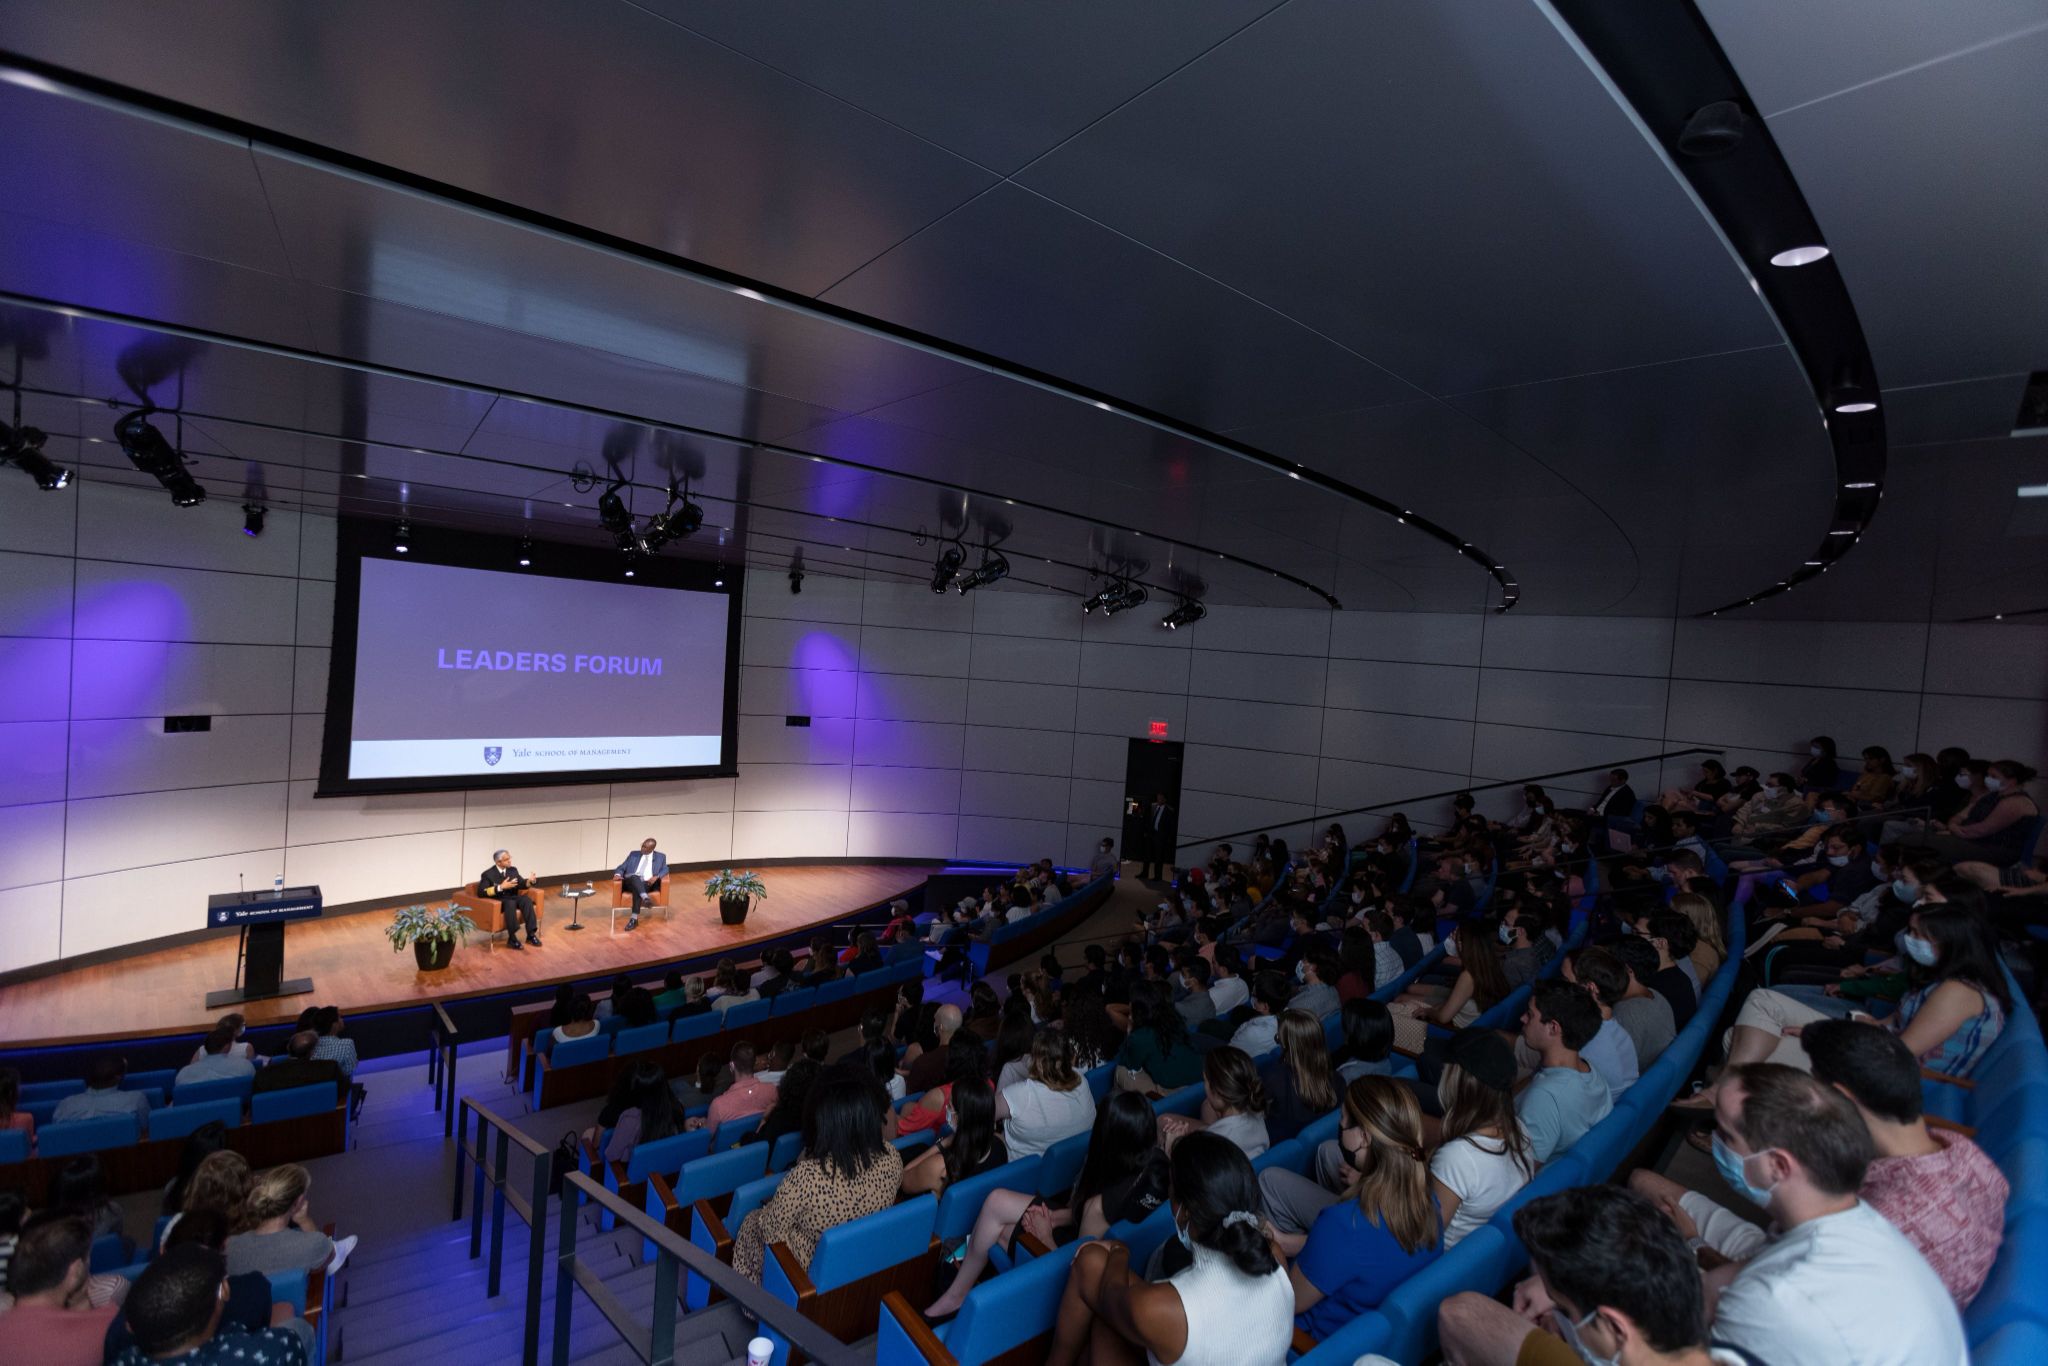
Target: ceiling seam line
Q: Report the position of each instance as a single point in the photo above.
(1972, 50)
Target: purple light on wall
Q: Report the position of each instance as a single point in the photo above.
(138, 611)
(821, 650)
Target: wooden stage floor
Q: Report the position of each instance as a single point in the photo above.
(163, 991)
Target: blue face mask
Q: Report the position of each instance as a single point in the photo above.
(1735, 1171)
(1507, 934)
(1568, 1329)
(1181, 1233)
(1839, 860)
(1919, 950)
(1821, 818)
(1877, 870)
(1905, 891)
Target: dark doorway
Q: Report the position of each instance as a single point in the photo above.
(1151, 768)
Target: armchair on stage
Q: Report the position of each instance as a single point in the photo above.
(655, 896)
(489, 914)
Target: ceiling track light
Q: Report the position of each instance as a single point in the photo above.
(992, 569)
(1799, 256)
(1121, 596)
(252, 518)
(149, 452)
(401, 538)
(678, 519)
(525, 551)
(951, 557)
(1188, 613)
(22, 447)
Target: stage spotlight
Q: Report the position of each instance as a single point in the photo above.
(252, 518)
(992, 569)
(679, 519)
(147, 450)
(23, 447)
(525, 552)
(1095, 603)
(1187, 614)
(796, 578)
(1122, 596)
(401, 539)
(948, 564)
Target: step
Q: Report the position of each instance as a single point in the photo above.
(493, 1333)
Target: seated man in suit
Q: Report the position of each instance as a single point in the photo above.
(298, 1067)
(510, 887)
(640, 874)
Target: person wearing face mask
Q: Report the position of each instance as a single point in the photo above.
(1315, 977)
(1821, 771)
(1524, 947)
(1775, 807)
(1613, 1284)
(1998, 825)
(1837, 1283)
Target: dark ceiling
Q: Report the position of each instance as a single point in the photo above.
(1420, 250)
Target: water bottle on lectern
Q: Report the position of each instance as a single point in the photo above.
(277, 886)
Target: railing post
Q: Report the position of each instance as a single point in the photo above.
(493, 1280)
(461, 1156)
(476, 1191)
(565, 1276)
(536, 1254)
(661, 1344)
(434, 1063)
(448, 1079)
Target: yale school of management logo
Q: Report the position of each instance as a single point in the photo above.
(493, 753)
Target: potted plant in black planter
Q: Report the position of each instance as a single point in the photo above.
(431, 930)
(735, 893)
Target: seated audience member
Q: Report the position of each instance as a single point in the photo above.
(641, 1108)
(1936, 1187)
(219, 1187)
(1838, 1283)
(1123, 1177)
(49, 1323)
(1199, 1005)
(1646, 1016)
(331, 1046)
(1711, 786)
(1233, 1105)
(1255, 1035)
(1157, 1055)
(1012, 1058)
(700, 1090)
(786, 1115)
(672, 994)
(867, 954)
(1612, 1282)
(1775, 808)
(730, 987)
(248, 1307)
(965, 1061)
(1480, 985)
(1315, 976)
(1233, 1306)
(1665, 932)
(847, 1170)
(277, 1233)
(748, 1094)
(1709, 950)
(582, 1021)
(1094, 1036)
(1612, 1052)
(1524, 946)
(926, 1067)
(984, 1012)
(1228, 988)
(1995, 827)
(1368, 1041)
(1383, 1230)
(772, 1067)
(1565, 1097)
(79, 1188)
(103, 1096)
(178, 1312)
(1484, 1156)
(237, 1025)
(299, 1067)
(1051, 1103)
(202, 1143)
(1954, 1007)
(1299, 1085)
(972, 1148)
(12, 1116)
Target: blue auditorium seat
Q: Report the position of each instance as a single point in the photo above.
(575, 1052)
(158, 1080)
(1009, 1311)
(1370, 1332)
(786, 1151)
(293, 1103)
(2019, 1343)
(705, 1178)
(90, 1135)
(178, 1121)
(732, 1131)
(870, 1248)
(665, 1155)
(961, 1203)
(1411, 1308)
(791, 1002)
(51, 1090)
(749, 1014)
(219, 1088)
(689, 1027)
(639, 1039)
(745, 1200)
(13, 1145)
(110, 1252)
(1060, 1164)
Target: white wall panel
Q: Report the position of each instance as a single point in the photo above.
(826, 598)
(34, 770)
(1102, 757)
(315, 624)
(928, 790)
(1783, 719)
(1613, 645)
(1005, 839)
(137, 755)
(1013, 612)
(800, 644)
(106, 834)
(1019, 659)
(1258, 677)
(1407, 637)
(1988, 659)
(31, 845)
(527, 805)
(1405, 689)
(1255, 725)
(34, 921)
(37, 672)
(309, 678)
(896, 650)
(322, 820)
(1410, 741)
(887, 603)
(1008, 749)
(1988, 727)
(893, 834)
(307, 736)
(1033, 706)
(699, 837)
(1109, 711)
(911, 697)
(546, 850)
(672, 797)
(147, 602)
(1142, 668)
(154, 678)
(771, 740)
(769, 691)
(914, 744)
(1250, 772)
(1343, 784)
(792, 787)
(426, 862)
(1026, 795)
(1097, 805)
(35, 595)
(317, 547)
(1500, 752)
(1273, 630)
(788, 834)
(107, 910)
(43, 526)
(1842, 654)
(206, 537)
(1603, 704)
(1205, 815)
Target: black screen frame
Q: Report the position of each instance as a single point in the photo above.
(358, 539)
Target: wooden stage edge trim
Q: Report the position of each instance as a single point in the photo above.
(671, 944)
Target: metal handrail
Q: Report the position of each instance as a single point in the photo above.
(490, 1166)
(443, 1038)
(1451, 792)
(655, 1344)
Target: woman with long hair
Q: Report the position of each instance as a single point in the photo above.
(1122, 1178)
(1480, 984)
(1386, 1229)
(202, 1143)
(80, 1187)
(1233, 1105)
(1368, 1033)
(218, 1185)
(11, 1115)
(641, 1108)
(984, 1011)
(1232, 1306)
(847, 1170)
(1878, 780)
(965, 1061)
(1299, 1086)
(1051, 1103)
(1483, 1157)
(786, 1115)
(1157, 1055)
(1094, 1036)
(276, 1232)
(972, 1148)
(1013, 1046)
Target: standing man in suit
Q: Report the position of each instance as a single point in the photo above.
(1159, 832)
(640, 874)
(1618, 802)
(510, 887)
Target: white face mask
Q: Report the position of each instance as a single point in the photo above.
(1773, 791)
(1963, 781)
(1814, 750)
(1909, 770)
(1994, 783)
(1839, 860)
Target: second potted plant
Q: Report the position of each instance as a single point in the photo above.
(431, 930)
(735, 893)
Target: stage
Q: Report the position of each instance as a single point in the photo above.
(163, 991)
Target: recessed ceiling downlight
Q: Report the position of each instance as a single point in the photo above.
(1800, 256)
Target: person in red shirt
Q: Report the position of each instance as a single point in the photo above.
(47, 1274)
(748, 1094)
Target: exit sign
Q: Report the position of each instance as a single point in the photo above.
(1156, 730)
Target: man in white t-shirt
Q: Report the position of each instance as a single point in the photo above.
(1227, 987)
(1839, 1285)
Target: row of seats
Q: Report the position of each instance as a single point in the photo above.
(174, 1121)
